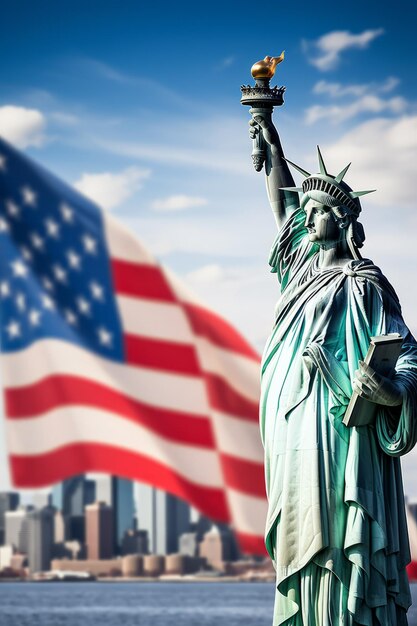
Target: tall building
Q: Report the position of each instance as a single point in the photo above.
(99, 530)
(164, 516)
(9, 501)
(71, 497)
(118, 493)
(17, 530)
(40, 526)
(73, 494)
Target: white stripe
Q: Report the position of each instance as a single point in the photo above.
(238, 438)
(52, 356)
(122, 244)
(157, 320)
(241, 373)
(249, 513)
(67, 425)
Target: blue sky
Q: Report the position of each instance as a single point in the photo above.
(137, 104)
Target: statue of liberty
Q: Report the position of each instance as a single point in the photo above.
(336, 528)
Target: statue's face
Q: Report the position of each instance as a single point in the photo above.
(321, 224)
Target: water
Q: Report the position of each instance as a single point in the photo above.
(136, 604)
(141, 604)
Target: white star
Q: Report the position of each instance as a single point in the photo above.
(96, 291)
(12, 209)
(26, 253)
(74, 260)
(21, 302)
(19, 269)
(37, 242)
(29, 196)
(67, 213)
(90, 244)
(52, 228)
(48, 284)
(13, 329)
(4, 227)
(83, 306)
(104, 337)
(3, 162)
(70, 317)
(34, 317)
(59, 273)
(47, 302)
(4, 289)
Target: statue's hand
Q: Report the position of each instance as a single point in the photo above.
(269, 131)
(254, 129)
(374, 387)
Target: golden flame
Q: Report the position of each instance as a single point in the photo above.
(266, 67)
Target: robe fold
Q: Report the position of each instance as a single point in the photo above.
(336, 527)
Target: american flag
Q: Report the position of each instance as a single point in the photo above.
(109, 364)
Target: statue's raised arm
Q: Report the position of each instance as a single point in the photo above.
(277, 173)
(267, 147)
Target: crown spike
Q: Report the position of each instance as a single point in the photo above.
(298, 168)
(356, 194)
(341, 174)
(295, 189)
(321, 162)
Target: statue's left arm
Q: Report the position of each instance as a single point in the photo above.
(374, 301)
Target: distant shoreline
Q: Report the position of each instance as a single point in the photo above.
(144, 579)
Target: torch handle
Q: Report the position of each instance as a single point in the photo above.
(258, 142)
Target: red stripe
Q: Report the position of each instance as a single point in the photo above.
(244, 476)
(211, 326)
(143, 281)
(46, 469)
(162, 355)
(57, 391)
(251, 544)
(224, 398)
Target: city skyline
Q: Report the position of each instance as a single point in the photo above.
(40, 537)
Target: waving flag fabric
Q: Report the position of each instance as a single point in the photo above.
(110, 365)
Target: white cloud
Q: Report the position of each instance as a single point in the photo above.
(110, 189)
(366, 99)
(210, 273)
(366, 104)
(384, 153)
(329, 47)
(178, 202)
(22, 127)
(186, 154)
(337, 90)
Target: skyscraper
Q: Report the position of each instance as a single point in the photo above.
(118, 493)
(40, 526)
(17, 531)
(9, 501)
(99, 530)
(73, 494)
(71, 497)
(164, 516)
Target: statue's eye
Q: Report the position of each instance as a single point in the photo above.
(318, 211)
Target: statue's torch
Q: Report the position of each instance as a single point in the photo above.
(262, 99)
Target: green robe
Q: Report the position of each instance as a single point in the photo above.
(336, 527)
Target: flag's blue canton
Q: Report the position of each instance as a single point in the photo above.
(55, 275)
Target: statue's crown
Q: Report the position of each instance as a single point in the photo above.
(332, 185)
